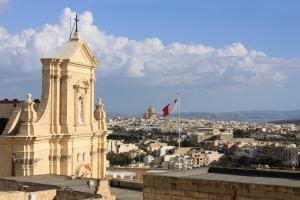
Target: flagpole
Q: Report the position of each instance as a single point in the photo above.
(179, 126)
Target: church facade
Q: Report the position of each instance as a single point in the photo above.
(62, 133)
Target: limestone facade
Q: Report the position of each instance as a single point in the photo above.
(63, 134)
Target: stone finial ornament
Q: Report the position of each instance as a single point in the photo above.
(100, 115)
(76, 37)
(28, 113)
(28, 97)
(99, 108)
(28, 117)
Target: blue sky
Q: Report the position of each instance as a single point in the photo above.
(220, 55)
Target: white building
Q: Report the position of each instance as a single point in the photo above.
(247, 151)
(148, 160)
(185, 162)
(168, 157)
(163, 150)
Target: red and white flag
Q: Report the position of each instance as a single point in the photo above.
(171, 108)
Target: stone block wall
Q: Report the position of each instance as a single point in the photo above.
(12, 195)
(158, 187)
(127, 184)
(12, 185)
(18, 195)
(73, 195)
(133, 169)
(42, 195)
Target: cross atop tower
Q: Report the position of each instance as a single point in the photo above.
(76, 20)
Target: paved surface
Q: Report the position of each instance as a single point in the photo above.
(78, 185)
(246, 179)
(126, 194)
(51, 179)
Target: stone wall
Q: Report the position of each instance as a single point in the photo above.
(258, 172)
(12, 185)
(158, 187)
(131, 169)
(73, 195)
(18, 195)
(41, 195)
(12, 195)
(127, 183)
(14, 190)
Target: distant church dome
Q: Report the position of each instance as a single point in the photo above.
(151, 109)
(150, 113)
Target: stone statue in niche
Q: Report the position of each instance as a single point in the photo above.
(79, 104)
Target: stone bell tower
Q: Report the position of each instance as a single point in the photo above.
(68, 85)
(66, 135)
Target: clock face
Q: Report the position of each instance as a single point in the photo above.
(79, 157)
(85, 156)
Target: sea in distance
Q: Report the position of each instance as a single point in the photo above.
(256, 116)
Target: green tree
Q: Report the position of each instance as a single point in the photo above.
(118, 159)
(189, 143)
(239, 133)
(244, 161)
(139, 157)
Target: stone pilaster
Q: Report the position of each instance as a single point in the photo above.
(67, 111)
(92, 81)
(56, 98)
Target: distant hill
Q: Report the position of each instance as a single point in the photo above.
(246, 116)
(288, 121)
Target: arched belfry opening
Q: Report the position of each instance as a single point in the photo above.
(3, 122)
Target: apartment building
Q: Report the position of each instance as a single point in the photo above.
(291, 153)
(249, 151)
(200, 159)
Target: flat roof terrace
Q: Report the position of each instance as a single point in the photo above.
(266, 177)
(77, 185)
(222, 183)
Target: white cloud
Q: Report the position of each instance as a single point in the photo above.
(147, 62)
(3, 4)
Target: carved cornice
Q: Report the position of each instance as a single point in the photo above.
(65, 157)
(65, 78)
(55, 76)
(83, 83)
(93, 80)
(93, 153)
(26, 163)
(54, 158)
(102, 150)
